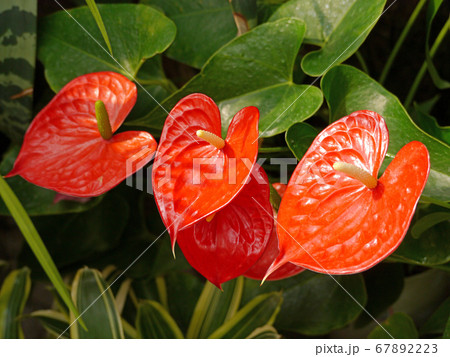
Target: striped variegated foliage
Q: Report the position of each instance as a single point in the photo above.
(17, 62)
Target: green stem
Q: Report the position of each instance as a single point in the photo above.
(423, 69)
(400, 41)
(362, 62)
(104, 126)
(274, 149)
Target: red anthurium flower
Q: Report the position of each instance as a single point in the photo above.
(69, 146)
(259, 269)
(196, 172)
(225, 247)
(336, 217)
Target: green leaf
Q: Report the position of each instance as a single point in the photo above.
(254, 65)
(54, 322)
(96, 302)
(38, 201)
(153, 321)
(338, 27)
(299, 138)
(98, 19)
(202, 28)
(259, 312)
(137, 32)
(430, 125)
(447, 330)
(264, 332)
(279, 106)
(428, 221)
(215, 307)
(438, 320)
(17, 62)
(318, 304)
(13, 296)
(433, 7)
(347, 89)
(33, 239)
(433, 246)
(399, 325)
(384, 284)
(71, 238)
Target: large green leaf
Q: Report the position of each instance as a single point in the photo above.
(431, 248)
(279, 106)
(97, 306)
(299, 138)
(39, 201)
(13, 296)
(215, 307)
(77, 237)
(34, 241)
(339, 27)
(261, 311)
(137, 32)
(430, 125)
(399, 326)
(203, 26)
(347, 89)
(384, 284)
(17, 60)
(255, 68)
(153, 321)
(320, 304)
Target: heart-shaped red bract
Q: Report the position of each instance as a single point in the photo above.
(259, 269)
(63, 149)
(330, 222)
(191, 177)
(236, 237)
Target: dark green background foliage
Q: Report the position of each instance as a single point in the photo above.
(304, 64)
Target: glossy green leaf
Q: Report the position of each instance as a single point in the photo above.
(54, 322)
(153, 321)
(428, 221)
(318, 304)
(137, 32)
(433, 246)
(39, 201)
(347, 89)
(261, 311)
(398, 325)
(338, 27)
(17, 62)
(34, 241)
(264, 332)
(433, 7)
(71, 238)
(13, 296)
(299, 138)
(98, 19)
(384, 284)
(279, 106)
(256, 66)
(203, 26)
(215, 307)
(429, 124)
(435, 325)
(96, 302)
